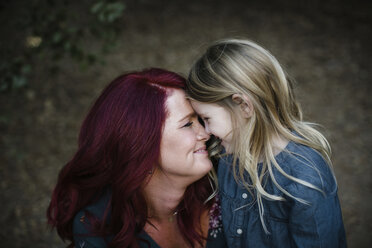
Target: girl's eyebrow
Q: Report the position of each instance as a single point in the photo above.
(190, 115)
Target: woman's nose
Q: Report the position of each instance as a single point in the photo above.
(202, 133)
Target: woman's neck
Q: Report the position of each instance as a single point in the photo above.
(162, 197)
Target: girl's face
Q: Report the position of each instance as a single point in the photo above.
(183, 151)
(217, 121)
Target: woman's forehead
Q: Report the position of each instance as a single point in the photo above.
(178, 107)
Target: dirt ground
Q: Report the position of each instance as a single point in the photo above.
(324, 46)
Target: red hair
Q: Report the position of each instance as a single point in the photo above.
(119, 143)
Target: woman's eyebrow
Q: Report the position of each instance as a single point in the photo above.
(190, 115)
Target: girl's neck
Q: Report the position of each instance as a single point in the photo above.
(278, 143)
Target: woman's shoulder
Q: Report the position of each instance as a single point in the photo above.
(82, 223)
(87, 218)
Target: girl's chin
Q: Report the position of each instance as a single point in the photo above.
(227, 147)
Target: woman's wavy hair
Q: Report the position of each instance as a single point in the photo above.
(234, 66)
(119, 144)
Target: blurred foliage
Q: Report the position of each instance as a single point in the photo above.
(55, 29)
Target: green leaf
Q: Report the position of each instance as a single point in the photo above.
(18, 81)
(72, 30)
(101, 17)
(57, 37)
(111, 17)
(67, 46)
(115, 11)
(97, 7)
(119, 7)
(3, 119)
(25, 69)
(3, 86)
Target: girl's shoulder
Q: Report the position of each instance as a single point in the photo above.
(296, 155)
(307, 164)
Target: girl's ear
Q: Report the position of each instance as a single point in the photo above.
(245, 104)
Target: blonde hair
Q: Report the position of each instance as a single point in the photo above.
(233, 66)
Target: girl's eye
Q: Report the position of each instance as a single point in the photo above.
(188, 124)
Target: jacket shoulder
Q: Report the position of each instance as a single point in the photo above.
(306, 164)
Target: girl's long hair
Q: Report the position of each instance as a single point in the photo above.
(234, 66)
(119, 143)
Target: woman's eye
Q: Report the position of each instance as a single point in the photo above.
(188, 124)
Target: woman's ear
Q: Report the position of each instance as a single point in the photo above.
(245, 104)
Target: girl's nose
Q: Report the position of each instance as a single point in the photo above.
(206, 127)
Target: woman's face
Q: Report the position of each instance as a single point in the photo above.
(217, 121)
(182, 150)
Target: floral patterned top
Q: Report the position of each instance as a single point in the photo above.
(83, 239)
(215, 219)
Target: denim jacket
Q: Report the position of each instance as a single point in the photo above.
(290, 223)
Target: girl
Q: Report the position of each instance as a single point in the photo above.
(277, 187)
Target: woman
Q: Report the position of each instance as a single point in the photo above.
(138, 178)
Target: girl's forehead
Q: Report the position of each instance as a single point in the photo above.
(204, 108)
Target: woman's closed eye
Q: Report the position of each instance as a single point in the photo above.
(188, 124)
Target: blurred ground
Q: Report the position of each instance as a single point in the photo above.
(324, 46)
